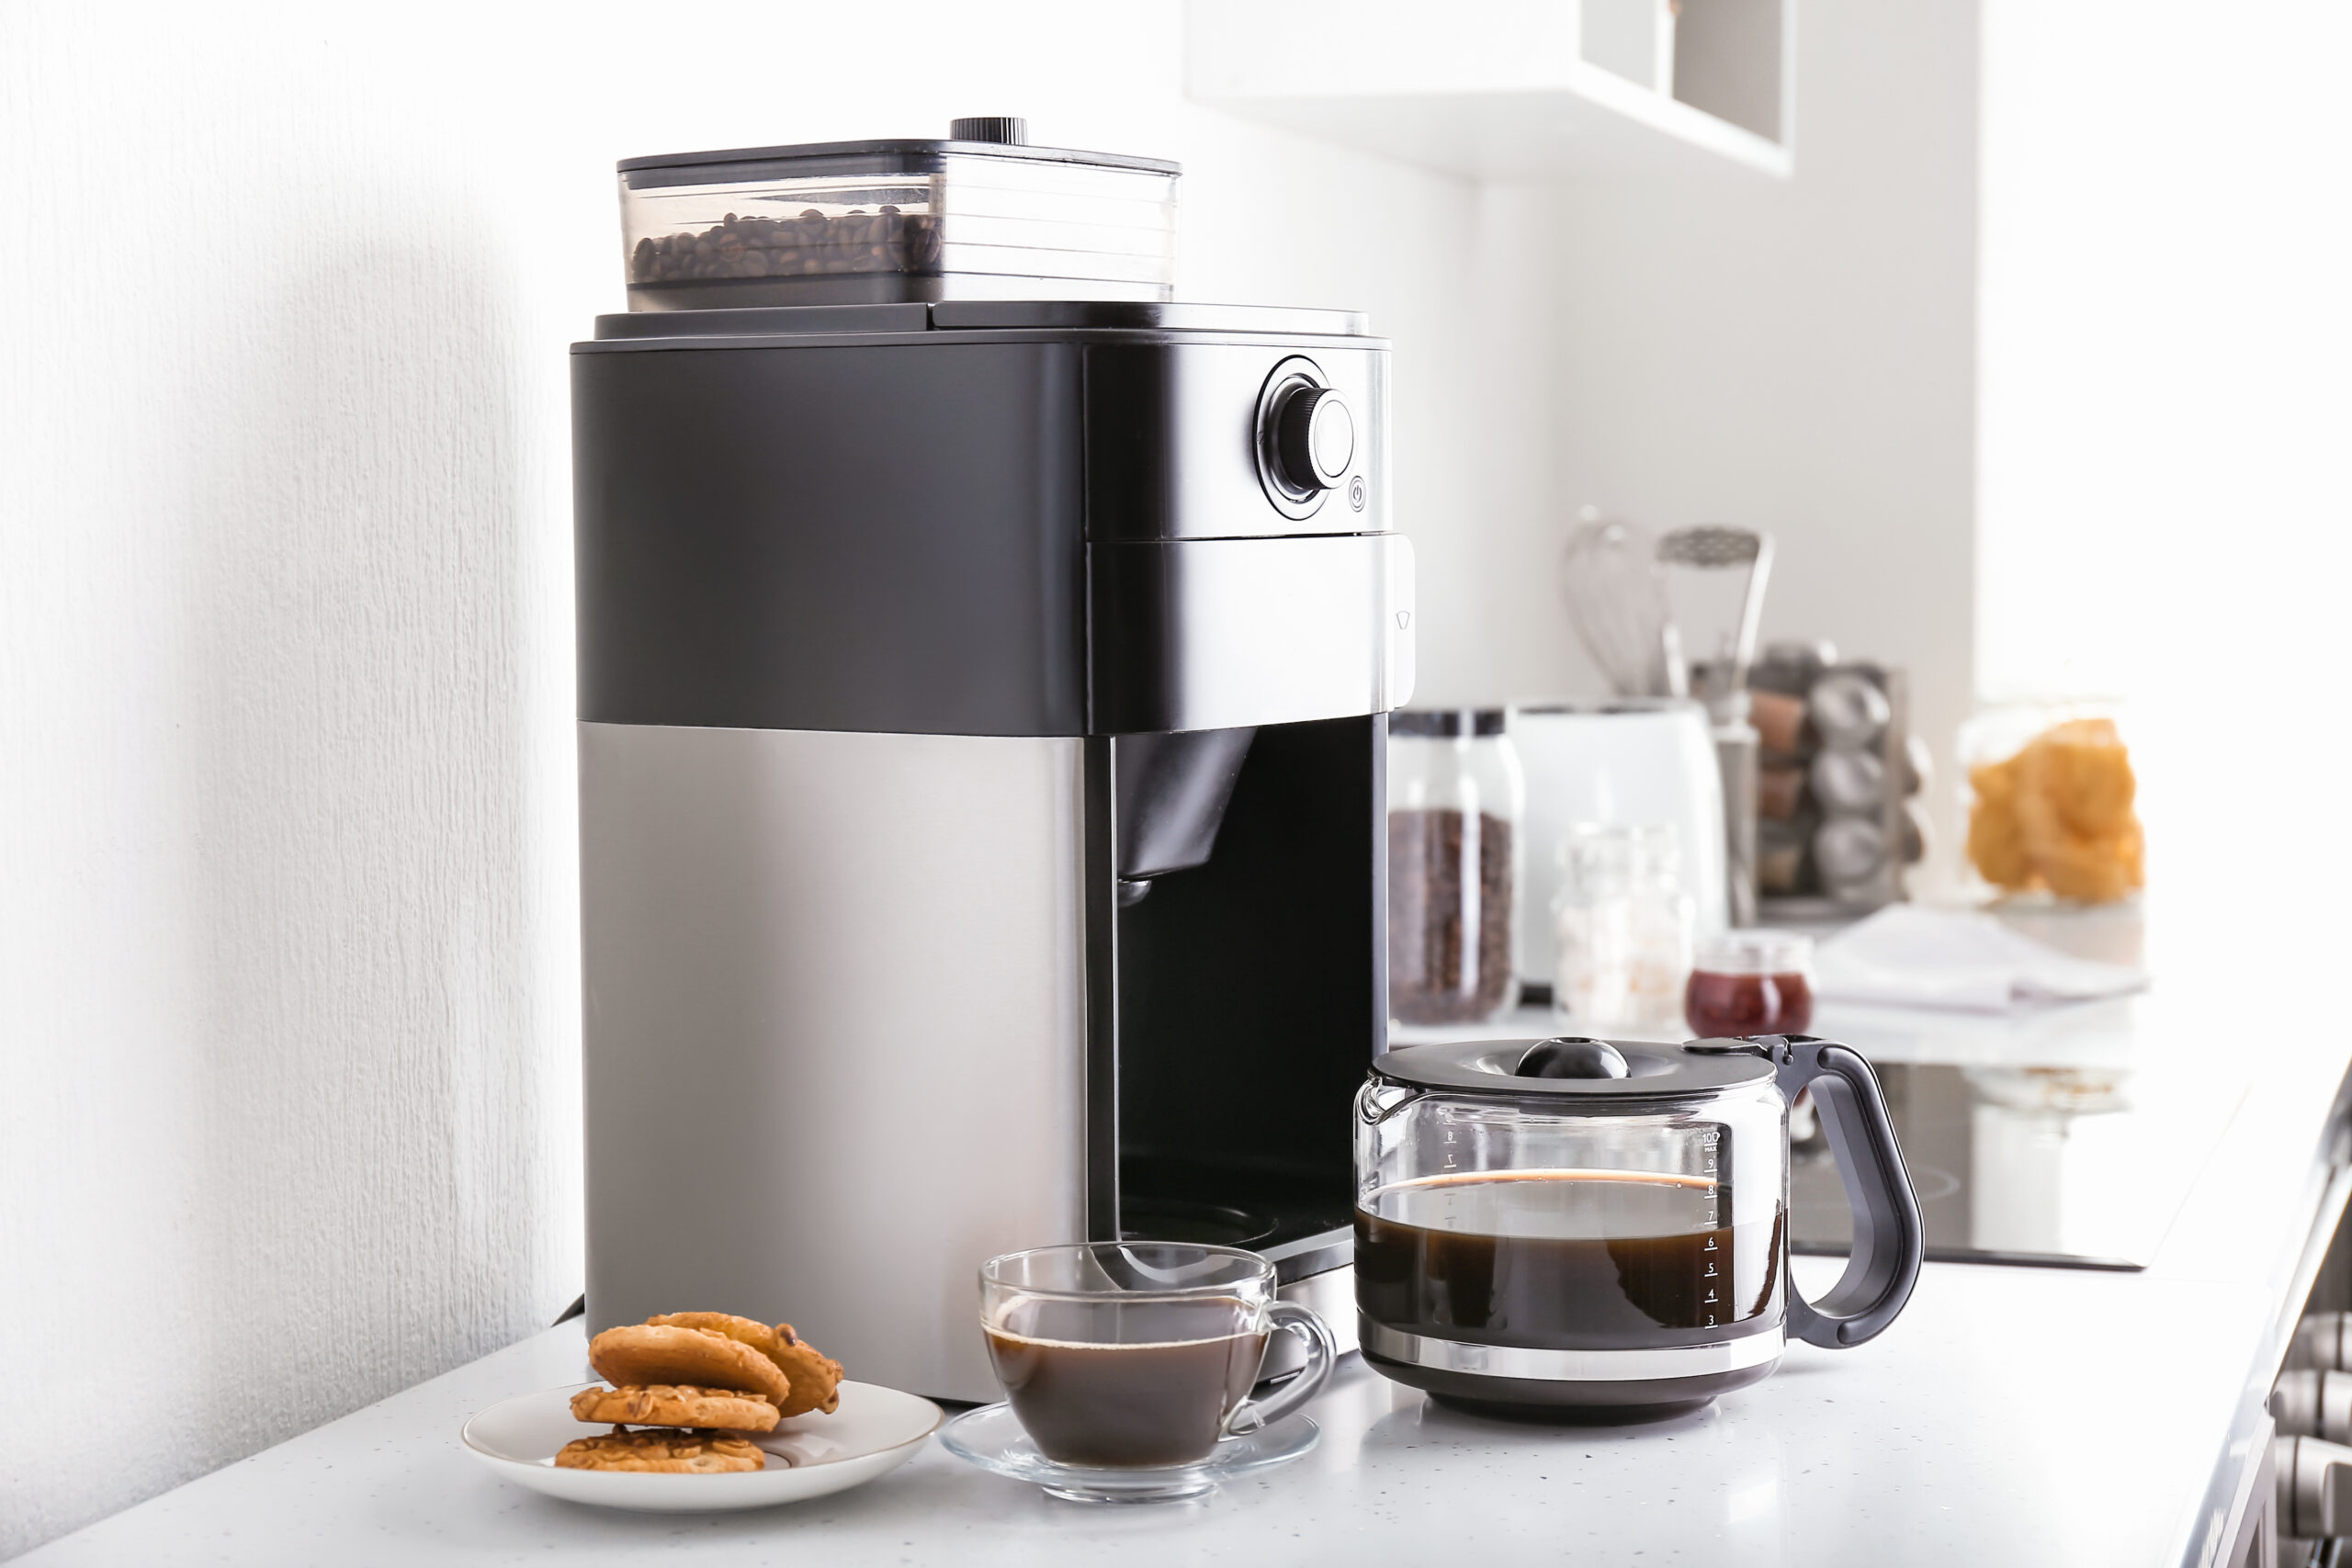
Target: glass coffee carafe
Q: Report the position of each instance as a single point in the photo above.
(1597, 1230)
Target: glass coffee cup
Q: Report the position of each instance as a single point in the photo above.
(1140, 1355)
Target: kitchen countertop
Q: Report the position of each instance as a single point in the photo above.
(2012, 1416)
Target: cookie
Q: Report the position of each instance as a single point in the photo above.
(816, 1378)
(690, 1453)
(743, 1330)
(675, 1404)
(644, 1354)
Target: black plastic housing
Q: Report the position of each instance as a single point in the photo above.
(983, 519)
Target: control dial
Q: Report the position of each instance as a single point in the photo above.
(1306, 440)
(1315, 439)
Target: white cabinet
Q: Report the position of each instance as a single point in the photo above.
(1509, 88)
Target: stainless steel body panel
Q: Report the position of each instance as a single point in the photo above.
(1217, 634)
(834, 1046)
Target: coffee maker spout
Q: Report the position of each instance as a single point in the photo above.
(1172, 791)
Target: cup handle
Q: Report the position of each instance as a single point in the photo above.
(1252, 1415)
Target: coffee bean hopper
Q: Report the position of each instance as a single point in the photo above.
(980, 216)
(984, 671)
(1597, 1230)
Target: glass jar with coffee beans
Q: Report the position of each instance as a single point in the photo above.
(1456, 801)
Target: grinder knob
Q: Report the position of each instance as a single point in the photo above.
(1315, 439)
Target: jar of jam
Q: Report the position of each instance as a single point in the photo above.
(1750, 982)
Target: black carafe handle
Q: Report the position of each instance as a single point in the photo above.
(1889, 1241)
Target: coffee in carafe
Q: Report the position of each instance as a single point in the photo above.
(1570, 1258)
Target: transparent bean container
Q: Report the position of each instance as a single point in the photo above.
(876, 222)
(1601, 1226)
(1457, 801)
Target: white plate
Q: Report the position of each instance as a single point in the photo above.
(876, 1430)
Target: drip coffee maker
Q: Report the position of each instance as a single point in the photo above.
(984, 671)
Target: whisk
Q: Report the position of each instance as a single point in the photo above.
(1617, 603)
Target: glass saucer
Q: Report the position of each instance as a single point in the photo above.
(991, 1438)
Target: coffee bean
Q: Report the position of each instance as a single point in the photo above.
(1438, 970)
(888, 239)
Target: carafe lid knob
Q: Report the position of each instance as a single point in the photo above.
(1571, 1057)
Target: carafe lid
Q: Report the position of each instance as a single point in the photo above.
(1578, 1067)
(896, 153)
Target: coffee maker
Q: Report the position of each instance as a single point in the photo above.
(983, 671)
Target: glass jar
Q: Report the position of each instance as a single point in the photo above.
(1456, 800)
(2051, 798)
(1625, 924)
(1599, 1225)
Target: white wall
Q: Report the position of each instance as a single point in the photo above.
(2166, 330)
(2167, 506)
(1710, 345)
(287, 982)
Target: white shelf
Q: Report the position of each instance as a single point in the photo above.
(1502, 89)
